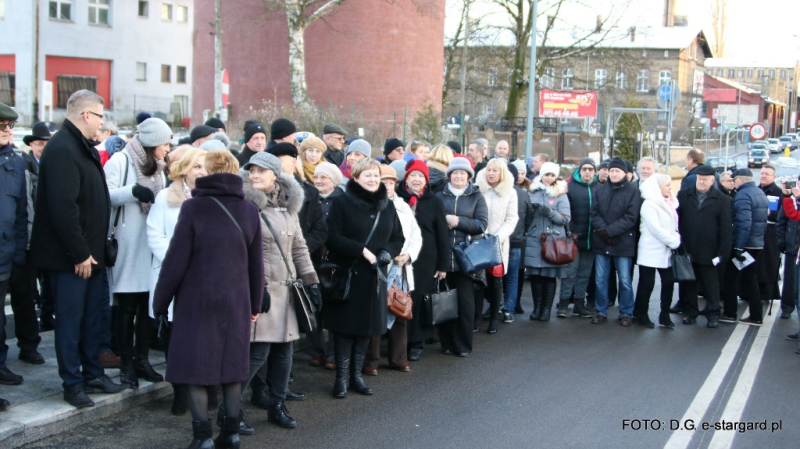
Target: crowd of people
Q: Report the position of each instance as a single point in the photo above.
(238, 234)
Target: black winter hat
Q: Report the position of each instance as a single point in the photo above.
(628, 167)
(215, 123)
(200, 131)
(281, 128)
(40, 131)
(603, 165)
(390, 144)
(251, 122)
(617, 163)
(252, 130)
(587, 161)
(514, 172)
(705, 170)
(283, 149)
(455, 146)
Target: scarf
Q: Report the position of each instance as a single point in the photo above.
(186, 190)
(345, 170)
(309, 168)
(455, 191)
(154, 182)
(274, 197)
(412, 201)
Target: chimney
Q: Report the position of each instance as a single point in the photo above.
(599, 25)
(633, 34)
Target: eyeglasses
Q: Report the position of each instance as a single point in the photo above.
(587, 169)
(95, 114)
(9, 125)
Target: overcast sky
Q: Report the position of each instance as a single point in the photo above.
(763, 29)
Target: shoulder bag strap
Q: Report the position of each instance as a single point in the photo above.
(228, 213)
(372, 231)
(275, 237)
(119, 208)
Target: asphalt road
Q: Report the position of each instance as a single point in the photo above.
(565, 383)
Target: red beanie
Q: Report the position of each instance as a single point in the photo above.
(420, 165)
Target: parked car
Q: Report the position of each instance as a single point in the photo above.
(759, 145)
(788, 141)
(774, 145)
(757, 158)
(719, 163)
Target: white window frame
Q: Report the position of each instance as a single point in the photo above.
(60, 4)
(643, 81)
(567, 77)
(97, 6)
(141, 66)
(170, 10)
(549, 78)
(622, 81)
(663, 76)
(600, 78)
(492, 79)
(181, 14)
(2, 9)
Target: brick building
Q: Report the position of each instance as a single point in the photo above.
(371, 57)
(738, 103)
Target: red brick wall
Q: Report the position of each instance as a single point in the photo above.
(378, 55)
(101, 68)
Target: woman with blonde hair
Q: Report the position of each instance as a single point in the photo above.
(311, 150)
(438, 161)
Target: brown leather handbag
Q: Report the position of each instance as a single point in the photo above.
(558, 250)
(399, 300)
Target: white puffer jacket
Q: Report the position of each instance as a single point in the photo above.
(502, 204)
(659, 231)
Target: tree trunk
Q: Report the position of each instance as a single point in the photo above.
(297, 63)
(515, 91)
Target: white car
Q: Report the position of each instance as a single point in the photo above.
(774, 145)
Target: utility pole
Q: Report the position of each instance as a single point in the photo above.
(218, 57)
(531, 84)
(464, 62)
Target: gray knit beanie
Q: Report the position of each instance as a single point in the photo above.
(361, 146)
(265, 160)
(154, 132)
(213, 144)
(460, 163)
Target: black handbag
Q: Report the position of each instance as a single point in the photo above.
(682, 269)
(304, 309)
(479, 254)
(334, 279)
(440, 306)
(112, 246)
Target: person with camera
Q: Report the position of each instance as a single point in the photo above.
(364, 235)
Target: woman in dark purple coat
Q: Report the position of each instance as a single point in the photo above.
(216, 277)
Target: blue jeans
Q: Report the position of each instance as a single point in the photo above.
(602, 264)
(511, 280)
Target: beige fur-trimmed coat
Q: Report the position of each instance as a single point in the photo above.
(502, 204)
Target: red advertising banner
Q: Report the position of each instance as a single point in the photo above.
(575, 104)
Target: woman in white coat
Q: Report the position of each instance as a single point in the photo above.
(497, 187)
(659, 236)
(134, 176)
(397, 335)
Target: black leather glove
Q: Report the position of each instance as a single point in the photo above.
(536, 206)
(315, 296)
(546, 211)
(143, 194)
(603, 233)
(738, 254)
(162, 326)
(611, 241)
(782, 247)
(384, 258)
(266, 301)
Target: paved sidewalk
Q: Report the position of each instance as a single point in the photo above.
(38, 409)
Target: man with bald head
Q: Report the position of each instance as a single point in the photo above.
(501, 150)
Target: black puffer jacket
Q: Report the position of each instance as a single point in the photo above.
(525, 213)
(581, 200)
(473, 215)
(788, 237)
(616, 209)
(313, 223)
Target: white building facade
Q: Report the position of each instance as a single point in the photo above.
(136, 54)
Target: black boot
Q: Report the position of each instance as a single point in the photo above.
(244, 429)
(359, 352)
(202, 433)
(180, 393)
(260, 398)
(548, 296)
(495, 299)
(342, 347)
(536, 292)
(142, 363)
(127, 372)
(229, 435)
(278, 414)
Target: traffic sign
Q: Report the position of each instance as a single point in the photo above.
(226, 87)
(668, 95)
(665, 92)
(758, 131)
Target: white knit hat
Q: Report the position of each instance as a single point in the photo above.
(550, 167)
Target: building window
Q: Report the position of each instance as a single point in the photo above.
(731, 73)
(98, 12)
(488, 109)
(3, 11)
(144, 8)
(165, 73)
(772, 74)
(666, 53)
(740, 73)
(7, 87)
(66, 85)
(643, 81)
(664, 76)
(761, 73)
(566, 79)
(141, 71)
(549, 78)
(720, 72)
(622, 81)
(783, 74)
(492, 77)
(166, 12)
(749, 73)
(182, 14)
(600, 78)
(61, 10)
(180, 74)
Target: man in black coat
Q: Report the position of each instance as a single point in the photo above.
(255, 141)
(580, 195)
(788, 243)
(770, 262)
(69, 242)
(615, 215)
(334, 135)
(706, 233)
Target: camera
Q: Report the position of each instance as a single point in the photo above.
(790, 184)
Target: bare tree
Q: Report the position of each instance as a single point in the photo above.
(719, 18)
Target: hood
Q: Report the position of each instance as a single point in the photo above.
(651, 192)
(557, 189)
(291, 197)
(218, 184)
(366, 200)
(503, 189)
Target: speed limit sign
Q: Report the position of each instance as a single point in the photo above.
(758, 131)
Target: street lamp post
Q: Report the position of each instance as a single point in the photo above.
(531, 84)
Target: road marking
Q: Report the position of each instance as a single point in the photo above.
(681, 438)
(744, 386)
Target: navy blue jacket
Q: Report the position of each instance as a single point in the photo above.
(788, 237)
(750, 211)
(13, 209)
(616, 208)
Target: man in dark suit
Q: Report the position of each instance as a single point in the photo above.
(705, 227)
(69, 243)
